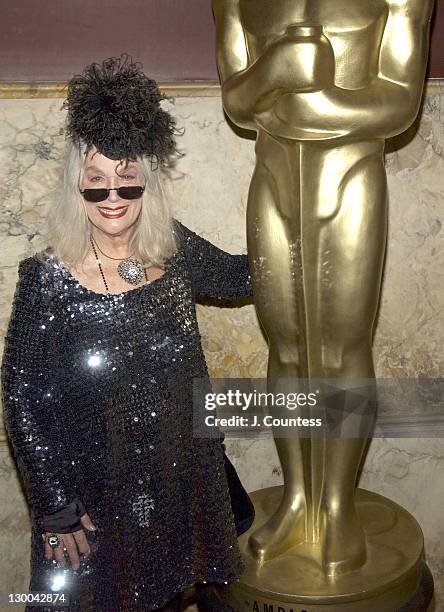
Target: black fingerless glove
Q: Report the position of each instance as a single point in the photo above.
(65, 520)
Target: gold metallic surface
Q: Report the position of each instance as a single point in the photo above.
(294, 581)
(323, 83)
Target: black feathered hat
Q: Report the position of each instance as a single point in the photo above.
(116, 107)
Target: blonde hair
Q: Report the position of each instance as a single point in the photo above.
(68, 226)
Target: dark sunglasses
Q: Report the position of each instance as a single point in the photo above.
(126, 193)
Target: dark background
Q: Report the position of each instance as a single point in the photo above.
(50, 40)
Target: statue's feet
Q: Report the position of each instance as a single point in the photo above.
(342, 541)
(284, 529)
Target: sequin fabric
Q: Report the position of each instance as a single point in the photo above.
(97, 395)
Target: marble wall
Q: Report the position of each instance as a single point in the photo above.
(209, 191)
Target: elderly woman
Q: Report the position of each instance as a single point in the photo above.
(97, 373)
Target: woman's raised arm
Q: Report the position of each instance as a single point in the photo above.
(215, 273)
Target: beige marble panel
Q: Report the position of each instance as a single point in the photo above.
(209, 191)
(15, 540)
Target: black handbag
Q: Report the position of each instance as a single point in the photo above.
(241, 504)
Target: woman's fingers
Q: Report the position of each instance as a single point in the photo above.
(58, 552)
(87, 523)
(71, 547)
(82, 542)
(74, 543)
(48, 549)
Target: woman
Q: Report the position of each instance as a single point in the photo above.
(97, 374)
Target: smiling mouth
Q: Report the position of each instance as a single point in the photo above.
(112, 213)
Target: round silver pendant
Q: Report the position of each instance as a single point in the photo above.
(131, 271)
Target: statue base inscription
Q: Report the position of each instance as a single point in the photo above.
(293, 582)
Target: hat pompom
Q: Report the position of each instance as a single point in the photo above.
(116, 107)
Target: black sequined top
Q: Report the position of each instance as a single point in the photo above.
(97, 395)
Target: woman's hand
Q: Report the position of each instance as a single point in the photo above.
(75, 543)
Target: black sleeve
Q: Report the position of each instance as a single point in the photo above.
(65, 520)
(32, 406)
(215, 273)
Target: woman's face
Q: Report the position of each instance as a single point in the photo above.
(113, 215)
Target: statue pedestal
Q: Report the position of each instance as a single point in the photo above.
(392, 576)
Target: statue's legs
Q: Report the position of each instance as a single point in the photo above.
(344, 251)
(317, 272)
(274, 248)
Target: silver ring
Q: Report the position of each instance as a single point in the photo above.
(53, 540)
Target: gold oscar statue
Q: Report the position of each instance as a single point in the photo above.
(323, 83)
